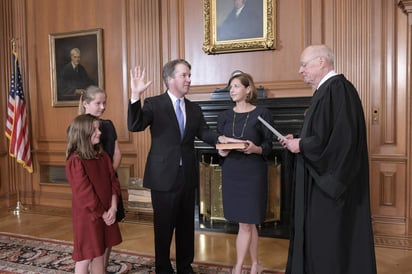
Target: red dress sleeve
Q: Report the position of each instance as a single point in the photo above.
(83, 192)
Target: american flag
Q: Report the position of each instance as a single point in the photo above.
(16, 124)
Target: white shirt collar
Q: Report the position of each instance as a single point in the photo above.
(239, 10)
(174, 98)
(326, 77)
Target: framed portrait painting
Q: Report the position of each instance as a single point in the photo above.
(76, 62)
(239, 25)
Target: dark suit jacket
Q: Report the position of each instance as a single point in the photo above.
(249, 24)
(71, 80)
(167, 147)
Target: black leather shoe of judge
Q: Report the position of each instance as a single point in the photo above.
(186, 270)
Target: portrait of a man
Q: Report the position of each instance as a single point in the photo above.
(76, 61)
(74, 78)
(244, 21)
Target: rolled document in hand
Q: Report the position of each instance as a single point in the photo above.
(277, 133)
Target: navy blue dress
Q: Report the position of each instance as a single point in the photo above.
(244, 176)
(108, 137)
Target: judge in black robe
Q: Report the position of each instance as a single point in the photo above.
(331, 224)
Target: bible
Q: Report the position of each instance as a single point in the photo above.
(240, 145)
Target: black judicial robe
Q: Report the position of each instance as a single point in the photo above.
(331, 223)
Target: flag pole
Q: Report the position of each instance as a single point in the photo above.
(19, 205)
(16, 124)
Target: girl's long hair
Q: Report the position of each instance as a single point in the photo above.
(79, 137)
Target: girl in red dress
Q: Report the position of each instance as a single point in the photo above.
(95, 190)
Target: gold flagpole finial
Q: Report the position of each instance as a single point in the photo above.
(13, 44)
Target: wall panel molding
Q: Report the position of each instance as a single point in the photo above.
(406, 6)
(143, 26)
(389, 97)
(388, 195)
(388, 189)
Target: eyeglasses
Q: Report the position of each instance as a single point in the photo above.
(304, 64)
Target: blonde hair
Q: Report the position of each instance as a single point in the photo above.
(79, 137)
(88, 95)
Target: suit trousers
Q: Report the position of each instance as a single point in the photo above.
(173, 211)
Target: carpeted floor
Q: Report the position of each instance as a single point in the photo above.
(29, 255)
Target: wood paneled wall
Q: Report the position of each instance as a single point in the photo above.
(371, 40)
(390, 142)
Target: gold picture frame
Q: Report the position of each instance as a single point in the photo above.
(245, 34)
(68, 80)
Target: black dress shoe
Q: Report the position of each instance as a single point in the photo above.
(188, 270)
(165, 272)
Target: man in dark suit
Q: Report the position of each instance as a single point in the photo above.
(245, 21)
(171, 169)
(74, 78)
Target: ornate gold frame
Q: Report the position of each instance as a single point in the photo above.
(90, 43)
(212, 46)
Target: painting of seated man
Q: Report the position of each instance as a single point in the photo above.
(244, 20)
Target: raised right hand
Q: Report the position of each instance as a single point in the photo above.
(137, 83)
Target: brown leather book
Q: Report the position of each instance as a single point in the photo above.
(240, 145)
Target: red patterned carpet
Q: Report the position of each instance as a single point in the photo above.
(30, 255)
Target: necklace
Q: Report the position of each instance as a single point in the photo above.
(243, 128)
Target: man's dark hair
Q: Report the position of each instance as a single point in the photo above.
(169, 69)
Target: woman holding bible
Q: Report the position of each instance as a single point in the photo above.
(244, 171)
